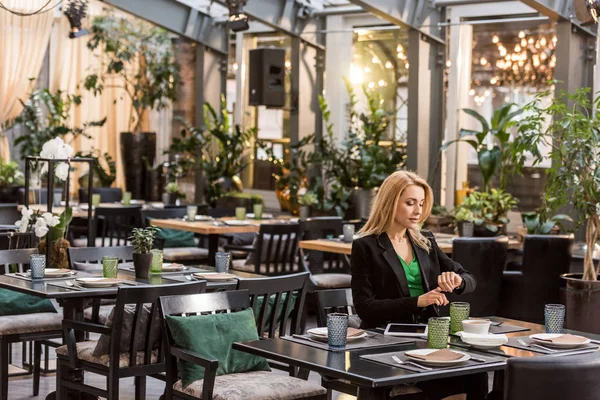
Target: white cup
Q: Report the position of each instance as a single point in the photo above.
(348, 230)
(476, 326)
(191, 212)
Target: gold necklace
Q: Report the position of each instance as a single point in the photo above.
(399, 241)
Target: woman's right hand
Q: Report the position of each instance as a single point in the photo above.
(435, 297)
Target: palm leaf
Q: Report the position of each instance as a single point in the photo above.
(484, 124)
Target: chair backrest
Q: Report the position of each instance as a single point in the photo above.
(278, 303)
(9, 213)
(15, 260)
(17, 240)
(485, 259)
(276, 249)
(220, 212)
(90, 258)
(37, 196)
(107, 195)
(165, 213)
(143, 301)
(555, 378)
(318, 262)
(116, 223)
(332, 301)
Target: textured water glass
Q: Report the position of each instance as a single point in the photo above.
(348, 230)
(437, 332)
(157, 261)
(258, 211)
(458, 313)
(240, 213)
(191, 212)
(110, 266)
(96, 199)
(37, 265)
(554, 316)
(126, 198)
(337, 330)
(222, 260)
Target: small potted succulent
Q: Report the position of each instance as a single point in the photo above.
(464, 222)
(172, 194)
(306, 202)
(143, 240)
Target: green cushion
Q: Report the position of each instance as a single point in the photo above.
(211, 337)
(15, 303)
(176, 238)
(271, 306)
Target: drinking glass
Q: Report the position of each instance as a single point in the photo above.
(126, 198)
(240, 213)
(458, 313)
(337, 330)
(437, 332)
(96, 199)
(348, 230)
(191, 213)
(554, 316)
(222, 260)
(110, 266)
(37, 265)
(157, 261)
(258, 211)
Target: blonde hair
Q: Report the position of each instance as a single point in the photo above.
(386, 203)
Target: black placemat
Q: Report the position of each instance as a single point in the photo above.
(506, 328)
(514, 342)
(386, 358)
(184, 278)
(81, 288)
(373, 340)
(186, 270)
(27, 277)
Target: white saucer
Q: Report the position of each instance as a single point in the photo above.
(536, 338)
(321, 334)
(483, 342)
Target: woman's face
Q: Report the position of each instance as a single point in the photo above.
(410, 207)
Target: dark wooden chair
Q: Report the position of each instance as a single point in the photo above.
(336, 300)
(107, 195)
(9, 213)
(113, 226)
(275, 251)
(17, 240)
(35, 327)
(148, 361)
(327, 270)
(212, 385)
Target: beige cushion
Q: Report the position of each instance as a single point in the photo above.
(241, 265)
(103, 314)
(85, 353)
(332, 281)
(257, 385)
(184, 253)
(29, 323)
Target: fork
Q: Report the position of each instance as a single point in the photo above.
(73, 285)
(414, 364)
(549, 350)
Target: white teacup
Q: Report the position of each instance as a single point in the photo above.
(476, 326)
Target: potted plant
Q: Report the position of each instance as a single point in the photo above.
(172, 194)
(103, 177)
(490, 210)
(464, 221)
(307, 201)
(11, 178)
(537, 223)
(137, 57)
(143, 240)
(573, 180)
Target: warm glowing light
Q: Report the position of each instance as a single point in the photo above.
(375, 60)
(543, 41)
(523, 42)
(235, 66)
(483, 61)
(382, 83)
(495, 39)
(502, 51)
(389, 65)
(406, 65)
(371, 85)
(522, 34)
(471, 92)
(288, 64)
(367, 70)
(357, 76)
(448, 63)
(517, 48)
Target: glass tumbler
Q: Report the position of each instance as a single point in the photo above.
(126, 198)
(458, 313)
(258, 211)
(110, 266)
(191, 213)
(348, 230)
(554, 317)
(157, 261)
(437, 332)
(95, 199)
(37, 265)
(337, 330)
(222, 260)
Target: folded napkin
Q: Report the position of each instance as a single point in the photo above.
(354, 332)
(489, 338)
(566, 339)
(175, 265)
(440, 355)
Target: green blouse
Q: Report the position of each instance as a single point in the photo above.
(413, 276)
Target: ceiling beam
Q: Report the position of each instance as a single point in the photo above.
(284, 16)
(178, 18)
(559, 10)
(421, 15)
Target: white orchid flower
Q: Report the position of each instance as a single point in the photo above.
(26, 212)
(62, 171)
(41, 227)
(22, 224)
(57, 149)
(51, 219)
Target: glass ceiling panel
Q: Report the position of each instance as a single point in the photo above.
(207, 6)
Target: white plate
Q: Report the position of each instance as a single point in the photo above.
(199, 218)
(167, 267)
(57, 272)
(97, 282)
(321, 334)
(214, 276)
(235, 222)
(264, 216)
(157, 205)
(536, 338)
(424, 352)
(492, 342)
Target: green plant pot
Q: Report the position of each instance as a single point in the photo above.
(141, 264)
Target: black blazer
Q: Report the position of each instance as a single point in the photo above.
(379, 285)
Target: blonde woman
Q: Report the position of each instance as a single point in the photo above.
(399, 274)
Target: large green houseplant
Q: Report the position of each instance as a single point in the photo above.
(489, 211)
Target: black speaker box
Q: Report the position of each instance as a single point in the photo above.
(266, 77)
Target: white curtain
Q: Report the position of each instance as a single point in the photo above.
(23, 43)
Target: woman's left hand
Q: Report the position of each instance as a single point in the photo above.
(448, 281)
